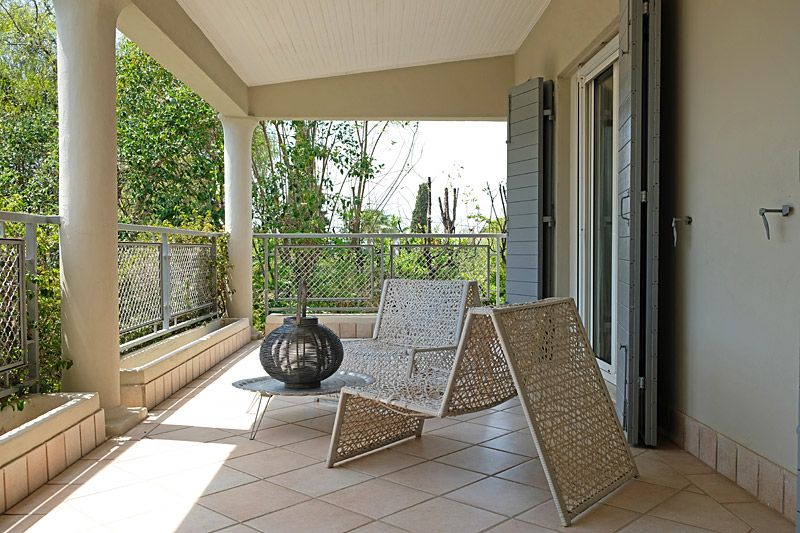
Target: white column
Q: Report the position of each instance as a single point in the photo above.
(239, 212)
(88, 195)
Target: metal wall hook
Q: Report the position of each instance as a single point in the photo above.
(785, 210)
(675, 220)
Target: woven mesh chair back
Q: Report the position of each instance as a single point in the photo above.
(480, 378)
(580, 441)
(423, 313)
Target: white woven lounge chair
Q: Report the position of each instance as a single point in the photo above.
(539, 349)
(414, 316)
(388, 411)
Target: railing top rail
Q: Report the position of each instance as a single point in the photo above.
(379, 235)
(172, 231)
(28, 218)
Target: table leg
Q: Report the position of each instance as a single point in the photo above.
(259, 419)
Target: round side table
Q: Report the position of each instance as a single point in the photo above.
(269, 387)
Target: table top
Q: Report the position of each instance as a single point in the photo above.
(332, 385)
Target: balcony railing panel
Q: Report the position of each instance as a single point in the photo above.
(345, 272)
(167, 281)
(19, 299)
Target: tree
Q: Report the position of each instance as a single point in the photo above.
(448, 216)
(170, 166)
(28, 104)
(420, 217)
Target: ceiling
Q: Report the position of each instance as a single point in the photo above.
(273, 41)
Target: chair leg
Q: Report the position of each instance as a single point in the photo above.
(363, 425)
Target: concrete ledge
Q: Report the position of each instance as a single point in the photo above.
(151, 374)
(42, 440)
(345, 325)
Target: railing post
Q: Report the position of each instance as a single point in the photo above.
(32, 344)
(265, 294)
(215, 308)
(497, 259)
(166, 294)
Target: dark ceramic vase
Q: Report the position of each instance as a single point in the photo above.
(301, 355)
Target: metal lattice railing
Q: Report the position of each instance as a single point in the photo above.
(13, 333)
(165, 282)
(19, 300)
(345, 272)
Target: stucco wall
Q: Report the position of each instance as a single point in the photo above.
(737, 135)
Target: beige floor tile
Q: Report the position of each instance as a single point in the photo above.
(701, 511)
(193, 434)
(518, 526)
(64, 519)
(377, 498)
(598, 519)
(469, 432)
(516, 410)
(314, 515)
(484, 460)
(430, 446)
(720, 488)
(322, 423)
(443, 515)
(252, 500)
(287, 434)
(125, 502)
(317, 479)
(240, 446)
(383, 462)
(502, 420)
(651, 524)
(43, 500)
(652, 470)
(508, 404)
(530, 473)
(377, 527)
(160, 465)
(438, 423)
(194, 519)
(639, 496)
(79, 472)
(682, 461)
(435, 478)
(760, 517)
(695, 488)
(296, 413)
(500, 496)
(238, 528)
(204, 481)
(519, 442)
(269, 462)
(316, 448)
(17, 523)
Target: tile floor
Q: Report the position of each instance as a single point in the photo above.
(190, 467)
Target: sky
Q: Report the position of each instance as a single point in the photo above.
(466, 155)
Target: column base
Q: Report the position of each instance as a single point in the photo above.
(121, 419)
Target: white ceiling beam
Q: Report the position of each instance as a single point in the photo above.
(163, 30)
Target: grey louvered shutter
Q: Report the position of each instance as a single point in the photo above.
(638, 187)
(529, 220)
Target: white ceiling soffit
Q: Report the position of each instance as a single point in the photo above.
(273, 41)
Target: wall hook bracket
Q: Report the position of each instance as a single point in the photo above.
(675, 221)
(785, 210)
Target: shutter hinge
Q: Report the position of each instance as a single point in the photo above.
(548, 113)
(641, 383)
(548, 219)
(643, 196)
(645, 8)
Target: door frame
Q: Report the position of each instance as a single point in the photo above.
(607, 56)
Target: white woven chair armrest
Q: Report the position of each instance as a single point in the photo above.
(439, 360)
(421, 394)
